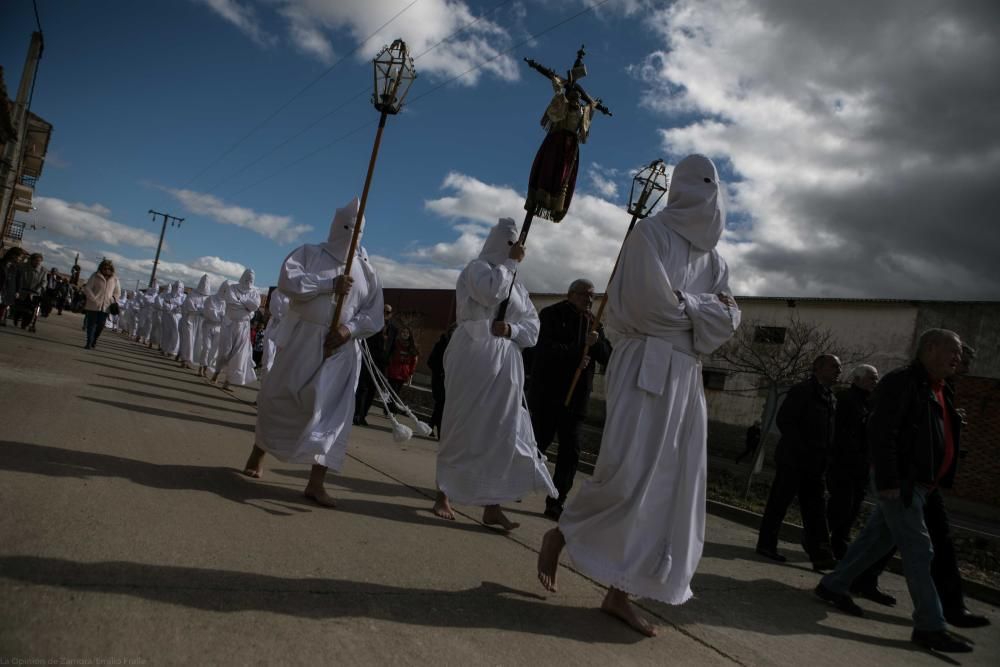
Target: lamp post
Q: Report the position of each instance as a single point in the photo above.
(648, 187)
(393, 74)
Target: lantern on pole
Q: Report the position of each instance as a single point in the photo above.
(393, 75)
(648, 187)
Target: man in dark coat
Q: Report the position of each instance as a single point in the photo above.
(913, 432)
(566, 332)
(806, 422)
(436, 363)
(847, 476)
(380, 345)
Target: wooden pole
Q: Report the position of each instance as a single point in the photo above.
(599, 317)
(335, 324)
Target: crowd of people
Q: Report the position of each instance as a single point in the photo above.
(637, 525)
(29, 291)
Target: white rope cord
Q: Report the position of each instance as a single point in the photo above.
(390, 398)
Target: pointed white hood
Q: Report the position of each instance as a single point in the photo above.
(153, 289)
(502, 236)
(342, 229)
(695, 208)
(203, 287)
(222, 289)
(176, 288)
(246, 280)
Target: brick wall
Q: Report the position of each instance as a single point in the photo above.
(978, 476)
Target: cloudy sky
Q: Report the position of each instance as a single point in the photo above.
(860, 141)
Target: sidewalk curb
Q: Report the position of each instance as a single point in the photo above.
(793, 533)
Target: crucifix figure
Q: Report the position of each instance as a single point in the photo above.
(567, 122)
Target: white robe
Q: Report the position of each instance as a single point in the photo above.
(156, 320)
(213, 312)
(638, 524)
(488, 454)
(147, 315)
(235, 357)
(190, 326)
(305, 408)
(170, 321)
(278, 306)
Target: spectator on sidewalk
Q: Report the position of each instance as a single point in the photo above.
(913, 431)
(379, 345)
(565, 335)
(751, 442)
(848, 472)
(31, 278)
(101, 291)
(436, 363)
(806, 422)
(9, 268)
(403, 360)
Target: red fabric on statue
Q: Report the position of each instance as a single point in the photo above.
(553, 175)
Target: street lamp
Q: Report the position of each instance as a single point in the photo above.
(648, 187)
(393, 75)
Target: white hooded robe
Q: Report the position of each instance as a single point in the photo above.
(305, 408)
(235, 358)
(277, 307)
(638, 524)
(170, 319)
(213, 313)
(191, 319)
(488, 454)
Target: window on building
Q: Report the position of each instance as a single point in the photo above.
(713, 379)
(769, 335)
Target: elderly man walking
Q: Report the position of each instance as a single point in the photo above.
(913, 432)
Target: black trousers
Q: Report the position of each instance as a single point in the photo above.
(365, 394)
(547, 422)
(809, 487)
(944, 566)
(847, 492)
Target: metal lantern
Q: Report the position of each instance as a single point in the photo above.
(651, 183)
(394, 74)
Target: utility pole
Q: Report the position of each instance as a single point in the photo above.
(173, 221)
(10, 161)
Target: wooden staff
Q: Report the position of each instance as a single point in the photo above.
(335, 324)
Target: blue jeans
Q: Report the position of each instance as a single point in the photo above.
(892, 524)
(93, 322)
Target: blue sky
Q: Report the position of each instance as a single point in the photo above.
(800, 108)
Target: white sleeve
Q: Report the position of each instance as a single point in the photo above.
(297, 282)
(489, 285)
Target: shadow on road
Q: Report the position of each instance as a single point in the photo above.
(163, 397)
(369, 486)
(160, 412)
(214, 393)
(144, 373)
(490, 605)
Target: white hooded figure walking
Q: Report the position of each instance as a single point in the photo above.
(170, 319)
(146, 311)
(305, 409)
(191, 319)
(213, 312)
(487, 455)
(638, 525)
(277, 306)
(235, 352)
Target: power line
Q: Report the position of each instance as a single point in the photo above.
(296, 96)
(360, 93)
(433, 90)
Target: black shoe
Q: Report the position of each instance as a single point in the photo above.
(362, 421)
(772, 554)
(876, 595)
(824, 564)
(553, 512)
(942, 641)
(841, 601)
(963, 618)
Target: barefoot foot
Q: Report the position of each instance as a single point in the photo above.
(494, 517)
(442, 507)
(320, 496)
(548, 558)
(252, 467)
(616, 604)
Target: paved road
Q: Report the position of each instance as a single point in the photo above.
(128, 535)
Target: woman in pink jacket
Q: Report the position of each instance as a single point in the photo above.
(102, 290)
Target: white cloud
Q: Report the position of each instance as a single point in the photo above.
(280, 228)
(602, 180)
(423, 276)
(88, 221)
(313, 25)
(864, 137)
(218, 266)
(583, 245)
(243, 17)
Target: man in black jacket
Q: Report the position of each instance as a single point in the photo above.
(847, 476)
(806, 422)
(913, 432)
(565, 333)
(380, 345)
